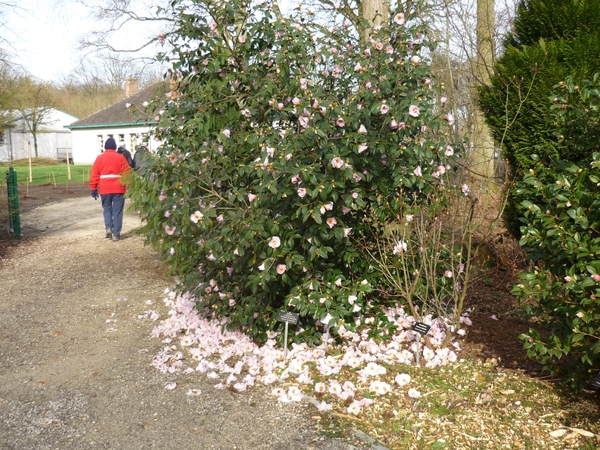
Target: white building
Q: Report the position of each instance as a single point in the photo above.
(126, 122)
(17, 141)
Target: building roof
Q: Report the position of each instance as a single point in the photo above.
(119, 114)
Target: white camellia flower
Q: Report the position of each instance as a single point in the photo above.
(274, 242)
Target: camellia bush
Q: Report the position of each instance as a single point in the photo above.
(562, 236)
(287, 150)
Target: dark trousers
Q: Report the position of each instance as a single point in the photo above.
(113, 205)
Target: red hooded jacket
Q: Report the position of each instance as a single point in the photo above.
(107, 173)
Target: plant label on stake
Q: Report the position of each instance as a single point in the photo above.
(326, 320)
(287, 317)
(422, 329)
(596, 382)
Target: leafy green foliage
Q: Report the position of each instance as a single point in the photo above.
(553, 39)
(562, 234)
(283, 149)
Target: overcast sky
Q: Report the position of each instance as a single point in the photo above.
(44, 35)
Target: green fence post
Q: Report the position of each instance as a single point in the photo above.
(13, 202)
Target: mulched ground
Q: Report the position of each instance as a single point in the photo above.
(496, 326)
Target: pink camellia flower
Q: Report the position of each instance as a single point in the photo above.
(413, 393)
(340, 122)
(449, 118)
(415, 60)
(337, 162)
(196, 217)
(347, 23)
(384, 109)
(394, 124)
(357, 67)
(448, 274)
(281, 268)
(362, 147)
(465, 189)
(414, 111)
(399, 19)
(242, 38)
(296, 101)
(226, 133)
(251, 197)
(568, 279)
(303, 120)
(279, 106)
(345, 210)
(170, 230)
(449, 151)
(231, 302)
(444, 100)
(275, 242)
(162, 197)
(348, 230)
(355, 195)
(338, 282)
(303, 83)
(418, 171)
(389, 49)
(402, 379)
(331, 222)
(379, 46)
(596, 277)
(362, 129)
(301, 192)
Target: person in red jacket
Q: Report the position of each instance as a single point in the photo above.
(107, 177)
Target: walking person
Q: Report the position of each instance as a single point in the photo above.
(107, 177)
(140, 158)
(123, 151)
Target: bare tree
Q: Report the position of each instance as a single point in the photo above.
(34, 104)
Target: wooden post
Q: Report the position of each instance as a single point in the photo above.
(68, 165)
(29, 156)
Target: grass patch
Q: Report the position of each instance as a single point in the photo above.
(47, 171)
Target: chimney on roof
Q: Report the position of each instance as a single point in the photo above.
(131, 86)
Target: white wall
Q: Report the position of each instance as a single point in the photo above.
(18, 141)
(89, 143)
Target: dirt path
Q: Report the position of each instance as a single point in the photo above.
(75, 356)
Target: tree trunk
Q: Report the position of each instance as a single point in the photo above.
(375, 12)
(483, 143)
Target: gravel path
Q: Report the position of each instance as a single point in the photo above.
(75, 356)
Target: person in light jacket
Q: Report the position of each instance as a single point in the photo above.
(106, 177)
